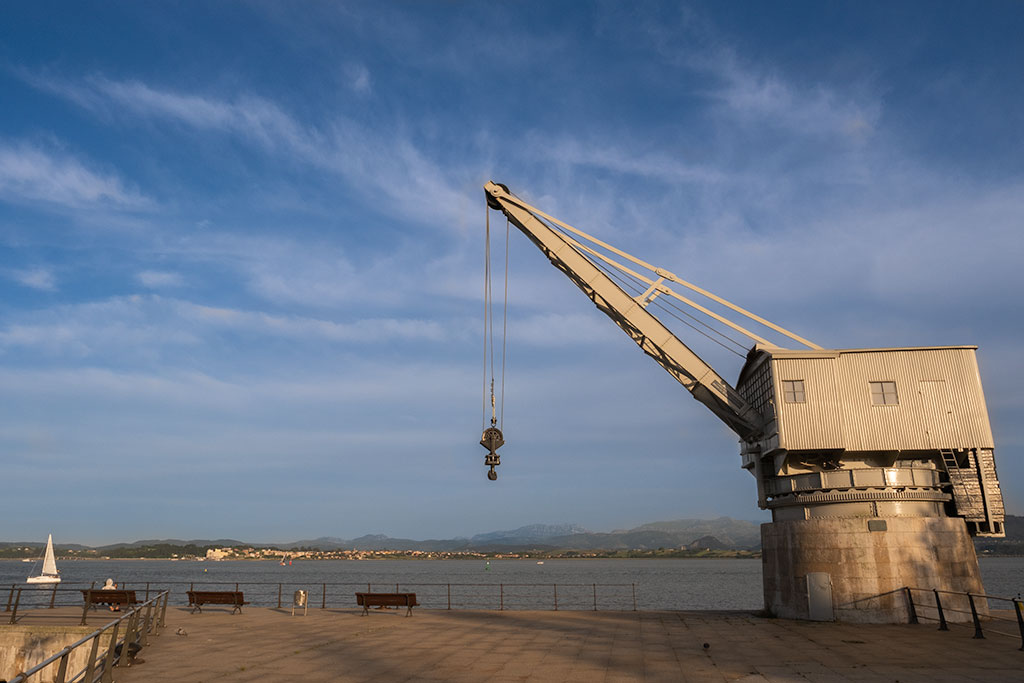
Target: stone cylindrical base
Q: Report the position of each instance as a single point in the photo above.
(869, 565)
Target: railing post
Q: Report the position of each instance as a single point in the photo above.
(129, 636)
(450, 603)
(1020, 622)
(146, 625)
(90, 667)
(556, 596)
(85, 607)
(53, 596)
(910, 605)
(974, 615)
(942, 617)
(10, 597)
(62, 670)
(595, 597)
(14, 612)
(108, 666)
(147, 592)
(323, 603)
(163, 610)
(501, 597)
(634, 596)
(278, 596)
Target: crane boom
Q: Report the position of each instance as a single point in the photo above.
(656, 340)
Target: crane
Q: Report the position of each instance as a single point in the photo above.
(898, 437)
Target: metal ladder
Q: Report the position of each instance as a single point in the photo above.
(966, 503)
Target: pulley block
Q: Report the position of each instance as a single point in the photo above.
(492, 440)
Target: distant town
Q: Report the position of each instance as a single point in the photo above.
(202, 554)
(720, 538)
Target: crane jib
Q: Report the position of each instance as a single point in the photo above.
(646, 330)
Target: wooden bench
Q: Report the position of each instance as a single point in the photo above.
(196, 599)
(96, 596)
(368, 600)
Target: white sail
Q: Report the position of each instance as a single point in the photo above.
(49, 562)
(49, 573)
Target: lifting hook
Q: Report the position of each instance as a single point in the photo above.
(492, 440)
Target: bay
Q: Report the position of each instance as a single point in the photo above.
(610, 584)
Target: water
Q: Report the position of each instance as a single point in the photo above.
(679, 584)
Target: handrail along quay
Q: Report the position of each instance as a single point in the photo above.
(447, 596)
(935, 610)
(58, 595)
(132, 629)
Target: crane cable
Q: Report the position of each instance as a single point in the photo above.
(488, 343)
(631, 284)
(492, 438)
(497, 401)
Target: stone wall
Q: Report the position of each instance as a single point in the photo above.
(22, 647)
(870, 567)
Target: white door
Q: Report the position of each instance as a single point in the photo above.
(819, 597)
(937, 416)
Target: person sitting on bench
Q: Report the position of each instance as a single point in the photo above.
(109, 585)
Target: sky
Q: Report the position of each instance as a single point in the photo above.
(242, 247)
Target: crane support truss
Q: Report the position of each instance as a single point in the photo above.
(630, 313)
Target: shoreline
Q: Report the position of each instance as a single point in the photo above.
(391, 558)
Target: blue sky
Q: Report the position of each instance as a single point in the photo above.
(241, 247)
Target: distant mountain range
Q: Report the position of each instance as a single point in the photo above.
(727, 533)
(723, 533)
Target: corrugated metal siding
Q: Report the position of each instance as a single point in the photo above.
(839, 412)
(818, 419)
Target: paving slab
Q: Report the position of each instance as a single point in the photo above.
(264, 644)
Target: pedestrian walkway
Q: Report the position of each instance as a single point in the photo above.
(265, 644)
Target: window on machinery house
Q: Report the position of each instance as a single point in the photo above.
(793, 391)
(884, 394)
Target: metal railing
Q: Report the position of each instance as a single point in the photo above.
(138, 624)
(448, 596)
(934, 610)
(21, 597)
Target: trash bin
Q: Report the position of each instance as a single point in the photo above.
(301, 599)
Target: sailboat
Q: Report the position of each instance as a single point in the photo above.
(49, 573)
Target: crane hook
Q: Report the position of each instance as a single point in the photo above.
(492, 440)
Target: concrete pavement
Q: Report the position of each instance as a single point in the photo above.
(266, 644)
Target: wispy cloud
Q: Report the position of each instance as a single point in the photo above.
(615, 158)
(368, 330)
(358, 77)
(42, 279)
(151, 326)
(757, 95)
(30, 175)
(120, 325)
(157, 279)
(385, 164)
